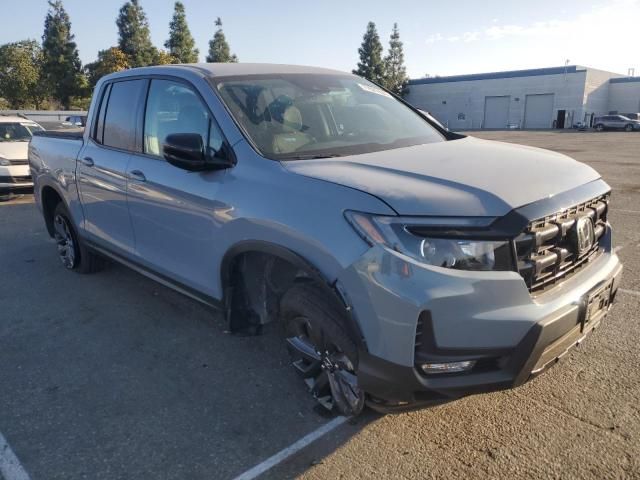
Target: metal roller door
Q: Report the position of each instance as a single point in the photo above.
(496, 112)
(538, 111)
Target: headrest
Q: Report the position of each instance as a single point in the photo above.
(292, 119)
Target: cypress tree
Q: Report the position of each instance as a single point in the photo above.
(371, 65)
(219, 50)
(61, 66)
(395, 71)
(181, 45)
(134, 39)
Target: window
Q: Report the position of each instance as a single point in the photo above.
(120, 120)
(17, 131)
(98, 129)
(173, 107)
(294, 116)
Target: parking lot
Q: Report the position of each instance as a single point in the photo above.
(114, 376)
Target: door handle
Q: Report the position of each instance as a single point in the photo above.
(87, 161)
(137, 175)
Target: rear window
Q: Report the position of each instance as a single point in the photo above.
(120, 119)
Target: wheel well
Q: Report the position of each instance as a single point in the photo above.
(254, 281)
(50, 199)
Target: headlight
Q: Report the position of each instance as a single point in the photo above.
(454, 243)
(4, 162)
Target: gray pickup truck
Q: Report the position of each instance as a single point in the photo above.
(406, 264)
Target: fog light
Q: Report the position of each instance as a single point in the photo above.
(449, 367)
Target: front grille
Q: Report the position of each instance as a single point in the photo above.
(19, 162)
(18, 179)
(547, 250)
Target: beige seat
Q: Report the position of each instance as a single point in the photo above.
(292, 137)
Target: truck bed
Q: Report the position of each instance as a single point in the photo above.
(74, 134)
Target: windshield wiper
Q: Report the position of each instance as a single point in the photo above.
(312, 156)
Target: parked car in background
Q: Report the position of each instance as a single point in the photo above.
(406, 264)
(632, 116)
(76, 121)
(15, 133)
(616, 122)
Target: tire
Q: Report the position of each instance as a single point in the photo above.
(321, 350)
(628, 128)
(73, 254)
(599, 127)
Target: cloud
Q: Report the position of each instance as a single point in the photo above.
(465, 37)
(601, 18)
(501, 31)
(433, 38)
(470, 36)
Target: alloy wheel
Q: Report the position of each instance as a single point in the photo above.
(327, 371)
(64, 241)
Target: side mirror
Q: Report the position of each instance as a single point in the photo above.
(187, 151)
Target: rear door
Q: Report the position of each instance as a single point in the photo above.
(102, 165)
(174, 212)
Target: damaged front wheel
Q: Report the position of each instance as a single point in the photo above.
(321, 350)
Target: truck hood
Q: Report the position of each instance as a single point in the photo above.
(466, 177)
(14, 150)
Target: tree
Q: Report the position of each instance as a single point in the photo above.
(61, 66)
(134, 38)
(20, 74)
(219, 50)
(371, 65)
(395, 71)
(181, 45)
(163, 57)
(109, 61)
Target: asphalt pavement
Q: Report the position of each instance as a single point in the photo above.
(112, 376)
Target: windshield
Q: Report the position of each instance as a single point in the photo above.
(17, 132)
(301, 116)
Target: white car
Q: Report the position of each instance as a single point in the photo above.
(15, 133)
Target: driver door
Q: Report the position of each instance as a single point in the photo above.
(173, 211)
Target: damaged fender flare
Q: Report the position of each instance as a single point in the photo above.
(332, 289)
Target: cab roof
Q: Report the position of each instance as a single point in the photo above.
(219, 70)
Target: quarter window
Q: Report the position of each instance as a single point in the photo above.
(120, 120)
(173, 107)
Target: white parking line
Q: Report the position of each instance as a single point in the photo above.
(10, 466)
(629, 292)
(637, 212)
(282, 455)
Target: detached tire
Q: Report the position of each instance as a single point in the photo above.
(73, 254)
(321, 350)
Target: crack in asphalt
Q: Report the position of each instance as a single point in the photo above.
(609, 430)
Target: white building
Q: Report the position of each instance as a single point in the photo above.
(555, 97)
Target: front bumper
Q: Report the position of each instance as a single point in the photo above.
(11, 183)
(410, 314)
(15, 177)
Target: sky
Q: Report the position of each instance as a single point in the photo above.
(440, 37)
